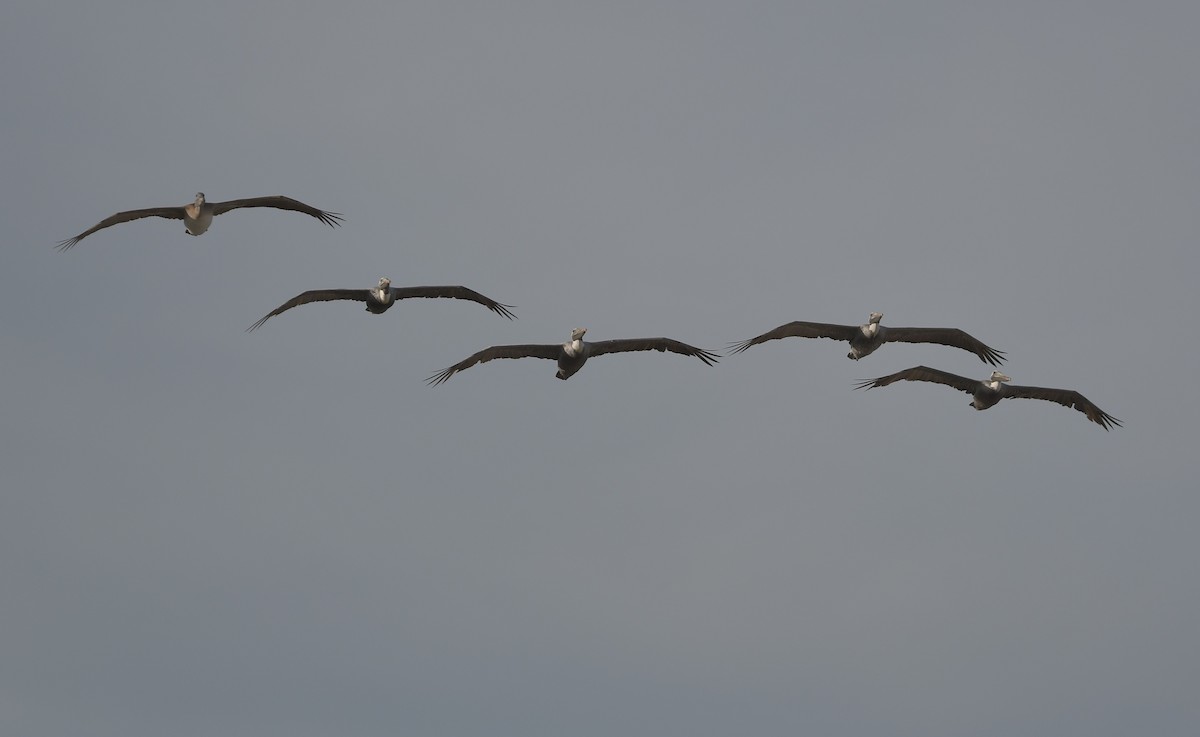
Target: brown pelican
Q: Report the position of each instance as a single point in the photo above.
(991, 390)
(198, 216)
(382, 297)
(574, 353)
(864, 339)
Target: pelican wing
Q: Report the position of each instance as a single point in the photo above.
(315, 295)
(551, 351)
(454, 293)
(1067, 398)
(923, 373)
(952, 337)
(172, 213)
(279, 202)
(800, 330)
(652, 344)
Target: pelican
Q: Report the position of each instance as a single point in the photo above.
(574, 353)
(198, 215)
(382, 297)
(994, 388)
(864, 339)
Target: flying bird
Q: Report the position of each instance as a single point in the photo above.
(198, 215)
(574, 353)
(865, 339)
(991, 390)
(379, 299)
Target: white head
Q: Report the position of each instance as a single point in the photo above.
(999, 377)
(384, 282)
(874, 318)
(199, 198)
(577, 334)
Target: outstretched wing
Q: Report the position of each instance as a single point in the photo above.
(800, 330)
(923, 373)
(279, 202)
(316, 295)
(652, 344)
(1067, 398)
(952, 337)
(551, 351)
(454, 293)
(172, 213)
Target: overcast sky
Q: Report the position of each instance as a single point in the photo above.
(206, 532)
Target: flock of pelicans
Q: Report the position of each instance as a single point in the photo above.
(572, 355)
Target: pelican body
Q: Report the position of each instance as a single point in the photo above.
(573, 354)
(380, 298)
(198, 215)
(990, 391)
(866, 339)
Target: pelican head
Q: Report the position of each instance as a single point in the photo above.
(874, 318)
(384, 282)
(577, 334)
(999, 377)
(199, 199)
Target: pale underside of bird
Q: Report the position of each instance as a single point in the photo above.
(865, 339)
(382, 297)
(991, 390)
(197, 216)
(572, 355)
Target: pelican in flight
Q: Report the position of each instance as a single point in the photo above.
(198, 215)
(991, 390)
(864, 339)
(574, 353)
(379, 299)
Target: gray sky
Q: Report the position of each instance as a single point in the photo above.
(205, 532)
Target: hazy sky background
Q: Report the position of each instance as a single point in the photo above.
(204, 532)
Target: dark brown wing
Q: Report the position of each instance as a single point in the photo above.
(454, 293)
(316, 295)
(952, 337)
(497, 351)
(924, 373)
(800, 330)
(651, 344)
(279, 202)
(1065, 397)
(171, 213)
